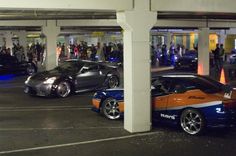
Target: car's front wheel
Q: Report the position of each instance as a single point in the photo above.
(192, 121)
(113, 82)
(63, 89)
(110, 109)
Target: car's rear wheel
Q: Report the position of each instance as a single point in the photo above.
(192, 121)
(63, 89)
(110, 109)
(113, 81)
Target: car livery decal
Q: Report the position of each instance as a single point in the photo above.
(200, 105)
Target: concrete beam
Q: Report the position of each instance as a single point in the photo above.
(180, 23)
(120, 5)
(23, 23)
(226, 6)
(64, 23)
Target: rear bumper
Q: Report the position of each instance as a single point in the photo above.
(227, 120)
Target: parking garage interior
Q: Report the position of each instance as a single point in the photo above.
(33, 125)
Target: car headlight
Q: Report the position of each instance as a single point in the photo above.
(27, 80)
(95, 94)
(51, 80)
(1, 65)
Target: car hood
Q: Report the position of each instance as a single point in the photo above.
(117, 93)
(46, 74)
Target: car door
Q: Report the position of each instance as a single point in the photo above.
(183, 93)
(88, 77)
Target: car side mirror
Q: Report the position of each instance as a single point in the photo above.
(180, 89)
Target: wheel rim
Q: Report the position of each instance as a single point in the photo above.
(191, 122)
(113, 82)
(111, 109)
(63, 89)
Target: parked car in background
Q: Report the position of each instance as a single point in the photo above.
(10, 65)
(232, 58)
(73, 76)
(188, 61)
(190, 101)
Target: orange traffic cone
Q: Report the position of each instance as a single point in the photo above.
(222, 76)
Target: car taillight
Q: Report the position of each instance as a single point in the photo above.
(230, 104)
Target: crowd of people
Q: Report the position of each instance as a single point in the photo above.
(17, 51)
(167, 56)
(34, 52)
(99, 52)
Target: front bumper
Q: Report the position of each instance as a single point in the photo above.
(39, 89)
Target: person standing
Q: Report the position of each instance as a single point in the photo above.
(216, 53)
(222, 53)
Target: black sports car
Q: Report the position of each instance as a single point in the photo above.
(10, 65)
(188, 61)
(73, 76)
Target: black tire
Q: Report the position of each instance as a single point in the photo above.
(112, 81)
(110, 109)
(64, 89)
(192, 122)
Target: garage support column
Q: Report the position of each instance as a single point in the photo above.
(23, 40)
(137, 115)
(222, 37)
(203, 52)
(8, 40)
(67, 46)
(168, 41)
(51, 31)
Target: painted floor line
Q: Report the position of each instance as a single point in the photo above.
(46, 109)
(54, 128)
(42, 107)
(78, 143)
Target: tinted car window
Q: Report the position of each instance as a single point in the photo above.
(160, 85)
(93, 67)
(191, 83)
(70, 66)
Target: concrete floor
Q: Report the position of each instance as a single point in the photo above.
(34, 126)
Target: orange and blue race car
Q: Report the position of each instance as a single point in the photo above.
(192, 101)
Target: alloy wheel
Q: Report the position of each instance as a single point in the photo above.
(110, 109)
(113, 82)
(192, 121)
(63, 89)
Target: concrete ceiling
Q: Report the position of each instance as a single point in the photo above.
(47, 15)
(6, 15)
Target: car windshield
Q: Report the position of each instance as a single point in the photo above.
(191, 53)
(205, 84)
(211, 86)
(70, 66)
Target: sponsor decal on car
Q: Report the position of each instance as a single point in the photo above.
(172, 117)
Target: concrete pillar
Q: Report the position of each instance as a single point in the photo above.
(22, 35)
(222, 36)
(203, 53)
(2, 42)
(67, 44)
(137, 115)
(168, 40)
(51, 31)
(8, 40)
